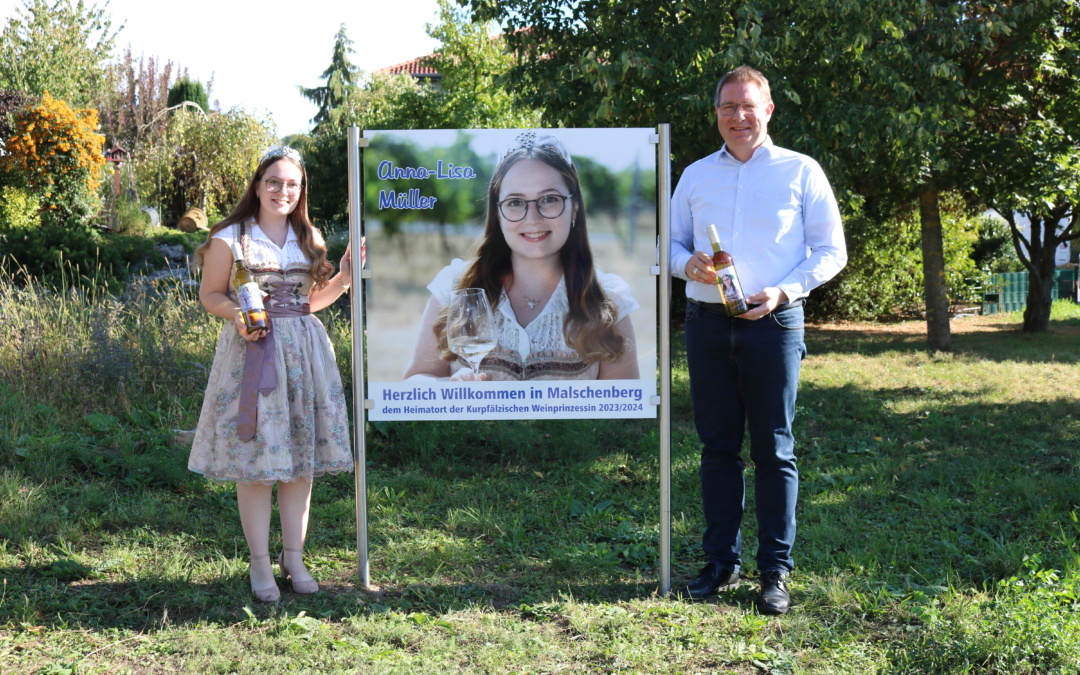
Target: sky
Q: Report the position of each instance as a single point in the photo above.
(258, 52)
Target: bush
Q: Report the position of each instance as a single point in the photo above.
(994, 251)
(335, 246)
(62, 257)
(11, 101)
(18, 208)
(72, 256)
(130, 218)
(884, 275)
(57, 153)
(189, 240)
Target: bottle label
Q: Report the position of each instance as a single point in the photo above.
(731, 292)
(729, 285)
(249, 297)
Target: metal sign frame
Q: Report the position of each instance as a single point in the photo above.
(360, 400)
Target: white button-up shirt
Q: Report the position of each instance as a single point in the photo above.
(775, 214)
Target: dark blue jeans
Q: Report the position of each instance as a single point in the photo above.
(744, 376)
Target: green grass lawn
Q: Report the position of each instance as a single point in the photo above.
(938, 518)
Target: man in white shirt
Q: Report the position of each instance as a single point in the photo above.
(776, 215)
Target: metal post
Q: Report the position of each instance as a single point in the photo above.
(357, 306)
(663, 198)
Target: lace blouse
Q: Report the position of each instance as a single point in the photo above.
(269, 262)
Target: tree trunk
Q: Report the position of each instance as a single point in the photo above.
(935, 294)
(1041, 249)
(1037, 311)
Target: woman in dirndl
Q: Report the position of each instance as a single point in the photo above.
(274, 410)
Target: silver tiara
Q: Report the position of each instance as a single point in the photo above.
(527, 140)
(283, 151)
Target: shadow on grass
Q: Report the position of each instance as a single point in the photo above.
(1004, 341)
(495, 516)
(1007, 342)
(526, 514)
(38, 598)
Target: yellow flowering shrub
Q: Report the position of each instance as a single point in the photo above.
(18, 208)
(58, 153)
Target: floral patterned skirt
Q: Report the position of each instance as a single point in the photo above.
(302, 426)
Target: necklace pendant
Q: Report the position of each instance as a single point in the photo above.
(531, 303)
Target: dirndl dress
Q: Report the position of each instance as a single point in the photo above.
(302, 427)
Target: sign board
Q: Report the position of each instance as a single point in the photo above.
(434, 220)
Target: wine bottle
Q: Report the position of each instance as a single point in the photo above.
(727, 279)
(248, 294)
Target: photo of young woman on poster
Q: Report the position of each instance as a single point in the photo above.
(731, 293)
(556, 317)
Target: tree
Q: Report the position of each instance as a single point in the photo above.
(59, 154)
(202, 159)
(186, 90)
(458, 201)
(131, 99)
(470, 95)
(340, 76)
(886, 96)
(894, 98)
(471, 62)
(1032, 168)
(631, 63)
(378, 104)
(60, 47)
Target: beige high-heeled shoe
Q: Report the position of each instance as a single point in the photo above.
(300, 586)
(268, 594)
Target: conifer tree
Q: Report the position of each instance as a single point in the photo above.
(340, 79)
(187, 90)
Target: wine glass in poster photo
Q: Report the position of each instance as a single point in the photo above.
(470, 330)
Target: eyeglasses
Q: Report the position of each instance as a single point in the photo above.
(729, 109)
(275, 185)
(549, 206)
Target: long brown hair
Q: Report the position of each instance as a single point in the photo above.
(589, 325)
(309, 238)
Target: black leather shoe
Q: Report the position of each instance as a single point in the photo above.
(710, 579)
(774, 598)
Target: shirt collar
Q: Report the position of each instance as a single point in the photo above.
(766, 149)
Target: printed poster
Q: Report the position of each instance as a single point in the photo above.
(512, 274)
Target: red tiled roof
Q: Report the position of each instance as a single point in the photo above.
(415, 67)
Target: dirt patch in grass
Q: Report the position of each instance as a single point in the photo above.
(994, 323)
